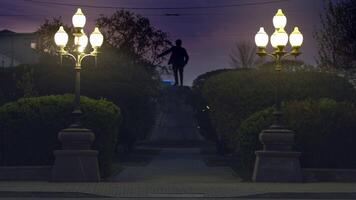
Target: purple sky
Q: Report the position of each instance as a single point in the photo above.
(208, 34)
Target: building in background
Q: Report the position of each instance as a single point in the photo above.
(17, 48)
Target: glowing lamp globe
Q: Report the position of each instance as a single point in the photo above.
(61, 37)
(281, 38)
(261, 38)
(274, 39)
(279, 20)
(296, 38)
(96, 38)
(82, 42)
(79, 19)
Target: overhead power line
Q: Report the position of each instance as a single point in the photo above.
(14, 15)
(156, 8)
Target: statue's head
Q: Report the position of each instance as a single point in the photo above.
(179, 42)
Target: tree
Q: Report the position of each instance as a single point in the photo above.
(26, 83)
(46, 33)
(243, 55)
(337, 35)
(134, 36)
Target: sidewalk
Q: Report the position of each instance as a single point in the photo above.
(207, 190)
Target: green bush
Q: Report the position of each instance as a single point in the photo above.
(29, 129)
(133, 87)
(202, 108)
(324, 133)
(288, 65)
(246, 140)
(234, 95)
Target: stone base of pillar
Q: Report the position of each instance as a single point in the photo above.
(277, 162)
(277, 166)
(76, 166)
(76, 162)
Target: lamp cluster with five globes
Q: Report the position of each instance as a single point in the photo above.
(80, 38)
(279, 39)
(80, 43)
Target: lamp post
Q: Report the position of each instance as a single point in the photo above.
(80, 42)
(277, 161)
(77, 162)
(279, 40)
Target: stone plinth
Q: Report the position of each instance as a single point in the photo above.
(76, 162)
(277, 162)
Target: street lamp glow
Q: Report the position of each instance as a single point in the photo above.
(261, 38)
(61, 37)
(79, 19)
(281, 38)
(274, 42)
(296, 38)
(96, 38)
(83, 40)
(279, 20)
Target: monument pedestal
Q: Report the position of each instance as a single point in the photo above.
(277, 162)
(76, 162)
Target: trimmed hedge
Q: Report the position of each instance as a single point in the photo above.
(29, 129)
(202, 114)
(133, 87)
(325, 133)
(234, 95)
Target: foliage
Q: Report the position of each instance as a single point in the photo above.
(337, 35)
(29, 128)
(46, 31)
(234, 95)
(289, 66)
(131, 87)
(129, 37)
(324, 133)
(243, 55)
(134, 36)
(201, 79)
(124, 75)
(202, 114)
(26, 84)
(245, 139)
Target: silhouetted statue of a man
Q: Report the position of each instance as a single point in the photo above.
(179, 58)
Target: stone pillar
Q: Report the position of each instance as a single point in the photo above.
(76, 162)
(277, 162)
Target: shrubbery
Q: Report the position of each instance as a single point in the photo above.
(29, 129)
(325, 133)
(234, 95)
(202, 109)
(133, 87)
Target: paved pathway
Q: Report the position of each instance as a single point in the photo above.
(175, 120)
(191, 191)
(176, 126)
(177, 165)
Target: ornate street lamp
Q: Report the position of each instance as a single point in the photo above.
(80, 42)
(277, 161)
(76, 162)
(279, 40)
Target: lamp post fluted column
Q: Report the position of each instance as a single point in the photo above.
(76, 161)
(277, 162)
(77, 112)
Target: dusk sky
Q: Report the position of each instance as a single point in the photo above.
(208, 28)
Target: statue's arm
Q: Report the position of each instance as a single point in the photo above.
(165, 53)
